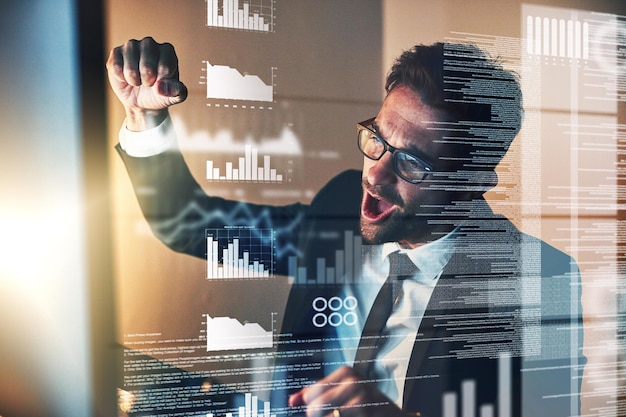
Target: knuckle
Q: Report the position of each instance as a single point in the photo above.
(132, 75)
(146, 69)
(164, 71)
(130, 44)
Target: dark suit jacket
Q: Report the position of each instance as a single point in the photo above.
(503, 293)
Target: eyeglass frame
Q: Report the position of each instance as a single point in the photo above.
(394, 152)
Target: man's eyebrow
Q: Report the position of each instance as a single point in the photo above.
(411, 149)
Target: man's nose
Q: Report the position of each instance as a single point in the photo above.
(381, 171)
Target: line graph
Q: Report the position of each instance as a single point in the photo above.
(228, 83)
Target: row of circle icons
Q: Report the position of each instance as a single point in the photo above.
(336, 318)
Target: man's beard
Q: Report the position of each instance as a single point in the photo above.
(403, 224)
(396, 228)
(412, 222)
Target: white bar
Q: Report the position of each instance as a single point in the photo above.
(209, 257)
(357, 259)
(570, 39)
(537, 35)
(240, 19)
(235, 254)
(231, 11)
(266, 409)
(562, 39)
(209, 12)
(259, 173)
(229, 170)
(468, 398)
(255, 163)
(225, 272)
(546, 36)
(246, 262)
(279, 177)
(235, 174)
(554, 38)
(486, 410)
(242, 168)
(242, 411)
(255, 269)
(215, 262)
(348, 246)
(449, 404)
(216, 173)
(272, 175)
(255, 20)
(585, 40)
(266, 167)
(215, 14)
(247, 153)
(504, 385)
(530, 33)
(255, 406)
(248, 404)
(220, 21)
(339, 265)
(209, 170)
(236, 14)
(578, 37)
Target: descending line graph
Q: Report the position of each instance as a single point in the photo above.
(228, 333)
(227, 83)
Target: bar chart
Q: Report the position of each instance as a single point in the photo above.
(224, 82)
(468, 396)
(240, 253)
(557, 37)
(252, 15)
(251, 408)
(348, 263)
(227, 333)
(246, 169)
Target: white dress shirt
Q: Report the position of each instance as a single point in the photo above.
(402, 326)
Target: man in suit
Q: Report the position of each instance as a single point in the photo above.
(447, 297)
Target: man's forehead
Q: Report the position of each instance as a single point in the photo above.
(404, 109)
(413, 129)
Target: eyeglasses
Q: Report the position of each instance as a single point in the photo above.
(406, 165)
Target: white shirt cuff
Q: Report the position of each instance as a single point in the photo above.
(148, 142)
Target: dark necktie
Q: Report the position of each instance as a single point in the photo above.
(372, 337)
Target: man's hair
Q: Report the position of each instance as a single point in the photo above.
(482, 100)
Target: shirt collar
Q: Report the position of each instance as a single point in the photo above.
(429, 258)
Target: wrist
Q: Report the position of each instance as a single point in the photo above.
(138, 120)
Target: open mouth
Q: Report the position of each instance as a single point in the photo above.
(376, 209)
